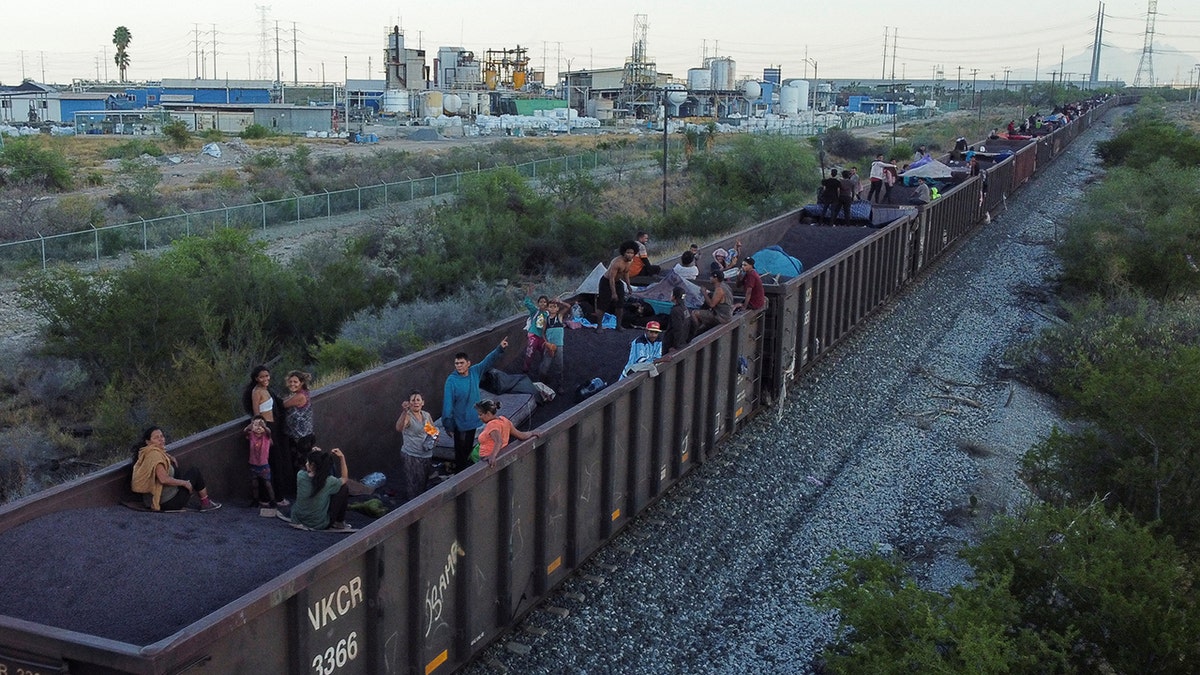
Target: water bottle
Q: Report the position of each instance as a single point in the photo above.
(592, 387)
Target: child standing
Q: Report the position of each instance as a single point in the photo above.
(536, 331)
(259, 436)
(551, 370)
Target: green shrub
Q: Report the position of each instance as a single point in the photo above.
(177, 132)
(344, 355)
(1132, 233)
(138, 188)
(1126, 367)
(256, 131)
(226, 180)
(213, 135)
(1053, 591)
(28, 159)
(133, 149)
(73, 213)
(1148, 136)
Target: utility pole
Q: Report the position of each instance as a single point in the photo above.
(295, 58)
(974, 78)
(1007, 70)
(958, 87)
(278, 70)
(214, 44)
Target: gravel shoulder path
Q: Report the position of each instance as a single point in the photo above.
(876, 448)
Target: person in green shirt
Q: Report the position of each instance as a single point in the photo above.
(321, 497)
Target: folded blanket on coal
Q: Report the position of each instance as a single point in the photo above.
(859, 210)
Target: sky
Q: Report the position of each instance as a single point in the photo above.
(73, 38)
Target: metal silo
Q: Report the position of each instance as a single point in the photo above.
(699, 79)
(724, 72)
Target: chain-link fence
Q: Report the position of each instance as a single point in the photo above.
(146, 234)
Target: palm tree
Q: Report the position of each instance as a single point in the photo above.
(121, 38)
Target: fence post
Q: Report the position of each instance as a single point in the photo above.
(385, 196)
(360, 200)
(226, 216)
(457, 182)
(145, 245)
(298, 210)
(96, 234)
(264, 213)
(187, 224)
(412, 192)
(328, 209)
(43, 240)
(435, 185)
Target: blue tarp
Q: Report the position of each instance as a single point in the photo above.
(774, 260)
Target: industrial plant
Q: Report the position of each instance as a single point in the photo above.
(465, 91)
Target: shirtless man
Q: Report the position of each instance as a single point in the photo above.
(611, 296)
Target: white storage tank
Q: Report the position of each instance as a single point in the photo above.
(723, 74)
(699, 79)
(431, 104)
(395, 102)
(802, 87)
(452, 104)
(789, 101)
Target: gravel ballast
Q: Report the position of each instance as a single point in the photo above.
(879, 447)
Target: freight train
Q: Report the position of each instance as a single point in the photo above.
(94, 588)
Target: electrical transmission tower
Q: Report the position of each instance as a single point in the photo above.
(1096, 45)
(1145, 71)
(264, 45)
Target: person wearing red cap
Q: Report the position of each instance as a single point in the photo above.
(645, 351)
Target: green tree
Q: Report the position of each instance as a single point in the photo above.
(121, 38)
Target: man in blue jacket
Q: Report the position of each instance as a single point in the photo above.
(459, 399)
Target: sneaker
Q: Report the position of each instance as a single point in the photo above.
(209, 505)
(283, 502)
(341, 527)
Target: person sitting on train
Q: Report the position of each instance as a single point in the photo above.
(154, 477)
(718, 305)
(321, 497)
(640, 266)
(686, 267)
(751, 284)
(726, 261)
(645, 351)
(679, 326)
(922, 195)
